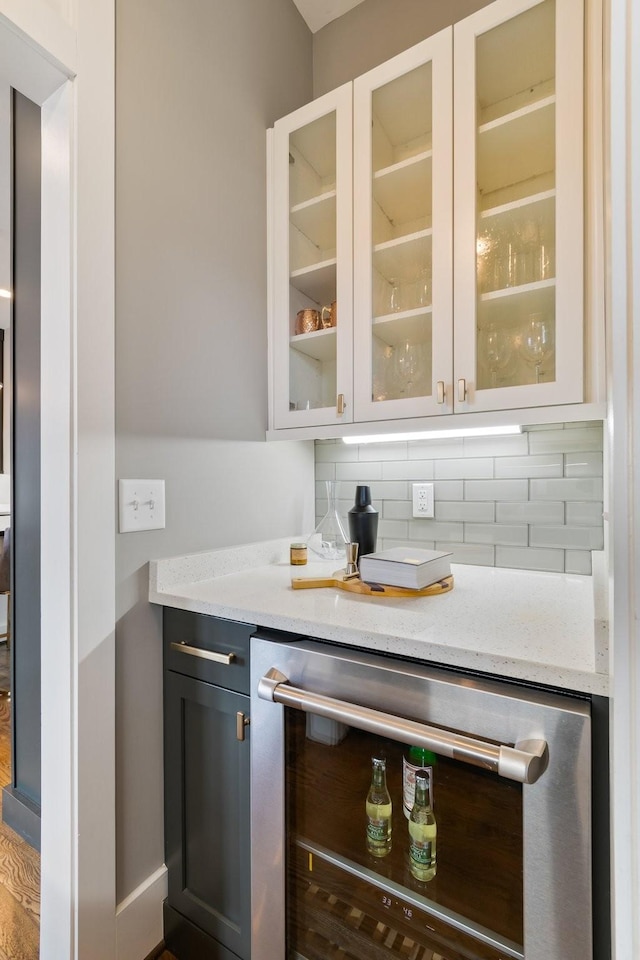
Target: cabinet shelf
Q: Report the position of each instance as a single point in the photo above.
(518, 146)
(542, 199)
(317, 282)
(316, 219)
(319, 344)
(404, 257)
(512, 305)
(410, 325)
(403, 190)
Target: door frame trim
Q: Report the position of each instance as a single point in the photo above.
(69, 71)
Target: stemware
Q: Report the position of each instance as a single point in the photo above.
(536, 341)
(487, 254)
(424, 287)
(409, 362)
(496, 347)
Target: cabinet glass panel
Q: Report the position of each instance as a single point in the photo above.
(312, 265)
(358, 890)
(516, 214)
(401, 353)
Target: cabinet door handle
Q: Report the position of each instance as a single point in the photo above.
(462, 390)
(182, 647)
(241, 723)
(440, 391)
(340, 404)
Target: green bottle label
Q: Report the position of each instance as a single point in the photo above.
(377, 829)
(421, 852)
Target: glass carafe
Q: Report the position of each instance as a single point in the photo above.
(329, 539)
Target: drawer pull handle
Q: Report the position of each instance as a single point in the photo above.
(462, 391)
(340, 404)
(440, 391)
(242, 722)
(225, 658)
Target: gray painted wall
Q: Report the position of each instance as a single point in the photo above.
(376, 30)
(197, 84)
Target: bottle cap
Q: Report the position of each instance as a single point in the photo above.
(363, 496)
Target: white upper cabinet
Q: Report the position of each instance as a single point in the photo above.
(427, 230)
(403, 165)
(518, 210)
(312, 263)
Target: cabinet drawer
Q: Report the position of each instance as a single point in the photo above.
(193, 642)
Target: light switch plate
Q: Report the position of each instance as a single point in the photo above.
(423, 500)
(141, 505)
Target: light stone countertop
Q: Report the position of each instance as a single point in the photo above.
(521, 624)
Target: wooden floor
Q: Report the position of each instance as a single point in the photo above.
(19, 863)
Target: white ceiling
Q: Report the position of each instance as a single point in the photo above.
(318, 13)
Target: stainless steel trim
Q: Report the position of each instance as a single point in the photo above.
(525, 762)
(225, 658)
(462, 390)
(440, 391)
(482, 934)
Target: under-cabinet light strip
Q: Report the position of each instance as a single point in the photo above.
(436, 434)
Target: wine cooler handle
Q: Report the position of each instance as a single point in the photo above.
(525, 762)
(226, 658)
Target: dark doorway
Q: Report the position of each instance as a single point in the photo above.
(21, 798)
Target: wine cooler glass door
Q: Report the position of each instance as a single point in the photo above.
(365, 879)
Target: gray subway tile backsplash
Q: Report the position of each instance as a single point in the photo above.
(537, 465)
(496, 490)
(531, 511)
(465, 510)
(465, 468)
(533, 501)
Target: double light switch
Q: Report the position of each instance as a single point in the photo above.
(141, 505)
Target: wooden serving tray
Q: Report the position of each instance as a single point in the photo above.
(356, 585)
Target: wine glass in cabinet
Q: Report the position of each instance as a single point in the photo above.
(518, 217)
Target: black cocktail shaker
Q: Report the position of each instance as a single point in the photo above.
(363, 522)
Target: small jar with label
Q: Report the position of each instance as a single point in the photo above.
(298, 554)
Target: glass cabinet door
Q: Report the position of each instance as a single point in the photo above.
(312, 256)
(402, 234)
(519, 205)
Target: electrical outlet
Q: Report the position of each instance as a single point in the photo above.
(141, 505)
(422, 499)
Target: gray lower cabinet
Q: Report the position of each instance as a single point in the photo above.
(207, 914)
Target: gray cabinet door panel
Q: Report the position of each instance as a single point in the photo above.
(207, 809)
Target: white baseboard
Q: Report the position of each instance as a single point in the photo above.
(139, 918)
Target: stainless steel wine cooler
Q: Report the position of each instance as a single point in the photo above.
(511, 793)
